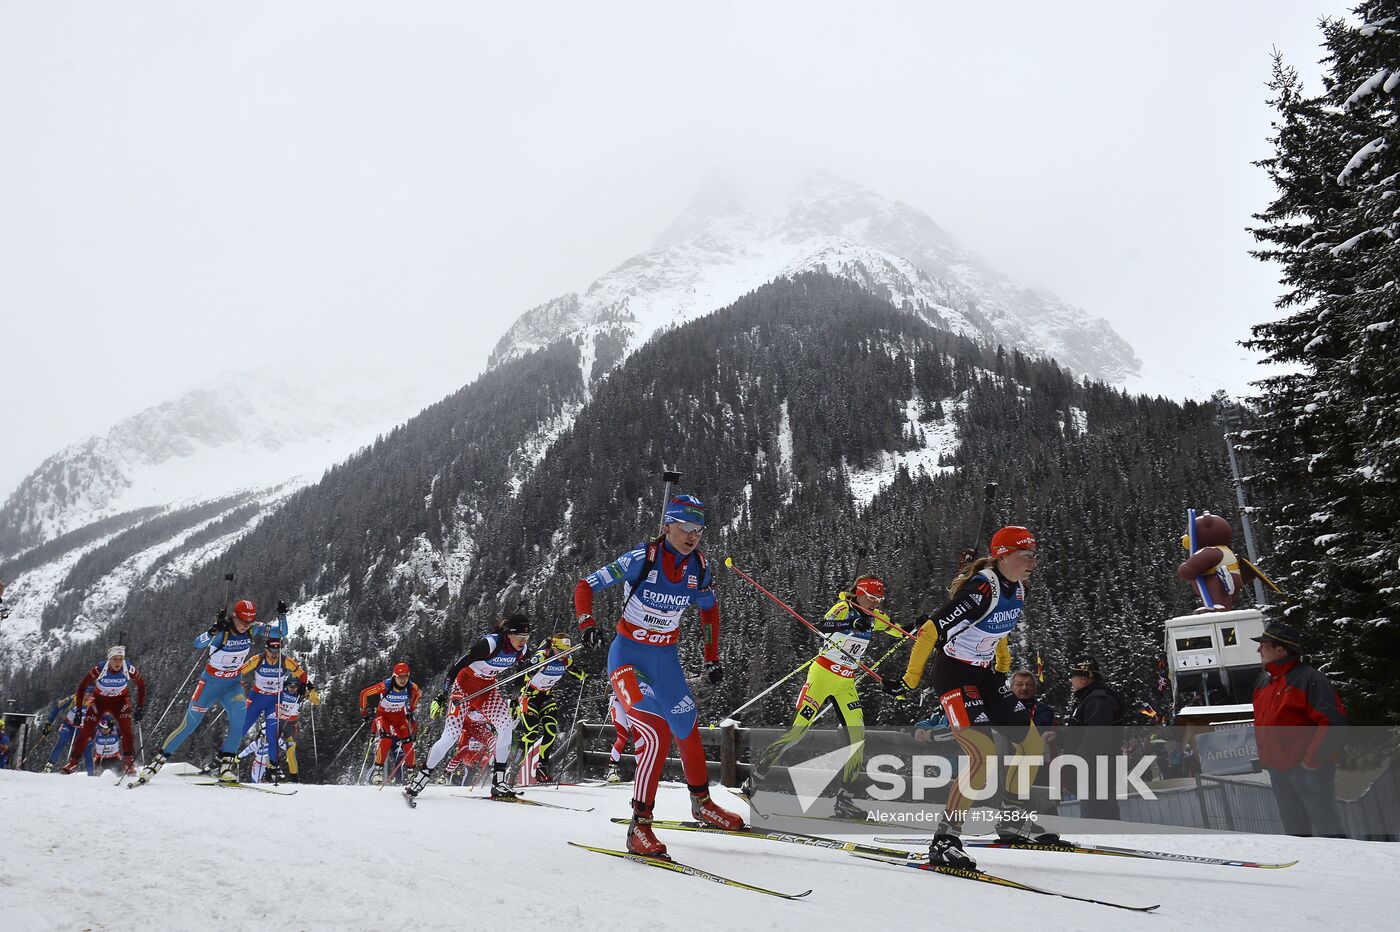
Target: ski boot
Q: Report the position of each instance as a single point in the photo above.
(417, 782)
(228, 768)
(151, 769)
(69, 767)
(704, 809)
(613, 775)
(1024, 832)
(542, 774)
(500, 784)
(277, 774)
(749, 787)
(845, 806)
(641, 839)
(48, 768)
(293, 778)
(376, 776)
(946, 849)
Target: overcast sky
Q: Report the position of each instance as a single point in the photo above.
(187, 188)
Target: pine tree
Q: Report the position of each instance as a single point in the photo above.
(1329, 437)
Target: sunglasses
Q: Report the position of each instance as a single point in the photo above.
(690, 527)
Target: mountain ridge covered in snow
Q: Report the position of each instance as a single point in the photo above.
(725, 244)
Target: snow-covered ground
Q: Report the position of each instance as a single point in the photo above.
(80, 853)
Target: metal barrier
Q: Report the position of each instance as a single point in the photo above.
(724, 749)
(1235, 805)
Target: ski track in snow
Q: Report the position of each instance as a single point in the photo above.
(175, 855)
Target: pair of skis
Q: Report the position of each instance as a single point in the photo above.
(869, 852)
(271, 790)
(523, 801)
(1107, 850)
(207, 781)
(904, 859)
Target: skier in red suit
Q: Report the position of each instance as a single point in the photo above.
(111, 684)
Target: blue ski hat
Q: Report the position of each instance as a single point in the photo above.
(685, 508)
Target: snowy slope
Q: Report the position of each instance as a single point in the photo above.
(724, 246)
(82, 853)
(267, 432)
(247, 430)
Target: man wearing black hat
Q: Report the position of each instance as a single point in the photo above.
(1299, 726)
(1099, 706)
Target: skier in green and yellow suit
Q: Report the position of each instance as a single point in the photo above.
(849, 626)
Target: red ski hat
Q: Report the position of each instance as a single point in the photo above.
(245, 610)
(871, 587)
(401, 669)
(1010, 539)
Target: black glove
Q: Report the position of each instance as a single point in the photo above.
(895, 687)
(367, 714)
(714, 672)
(590, 636)
(44, 732)
(140, 711)
(281, 607)
(78, 718)
(220, 623)
(862, 622)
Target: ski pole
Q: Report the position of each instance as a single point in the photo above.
(883, 657)
(669, 475)
(178, 693)
(729, 562)
(228, 593)
(347, 743)
(578, 703)
(526, 672)
(141, 749)
(364, 764)
(315, 752)
(780, 682)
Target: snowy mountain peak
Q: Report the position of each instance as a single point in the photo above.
(246, 430)
(725, 244)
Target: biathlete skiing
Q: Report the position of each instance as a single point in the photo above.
(394, 717)
(475, 702)
(229, 642)
(538, 710)
(660, 581)
(848, 627)
(970, 633)
(108, 688)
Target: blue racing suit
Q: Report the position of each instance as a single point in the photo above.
(220, 683)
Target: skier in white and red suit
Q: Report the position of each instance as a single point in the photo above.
(111, 684)
(661, 580)
(473, 688)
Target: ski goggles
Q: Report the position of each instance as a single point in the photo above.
(689, 527)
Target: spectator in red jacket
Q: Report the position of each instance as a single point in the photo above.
(1299, 725)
